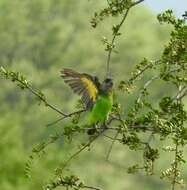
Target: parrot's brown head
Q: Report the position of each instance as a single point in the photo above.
(107, 86)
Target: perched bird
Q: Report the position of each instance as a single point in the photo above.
(97, 97)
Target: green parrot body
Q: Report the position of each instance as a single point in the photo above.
(97, 97)
(101, 109)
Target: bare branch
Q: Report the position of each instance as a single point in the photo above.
(90, 187)
(181, 93)
(66, 116)
(145, 87)
(112, 144)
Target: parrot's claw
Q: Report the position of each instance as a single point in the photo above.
(93, 130)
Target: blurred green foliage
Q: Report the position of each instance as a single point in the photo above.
(40, 37)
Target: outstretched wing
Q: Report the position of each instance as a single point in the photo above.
(82, 84)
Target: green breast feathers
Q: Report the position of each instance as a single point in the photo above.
(101, 109)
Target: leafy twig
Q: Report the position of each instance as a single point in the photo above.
(150, 81)
(24, 84)
(69, 182)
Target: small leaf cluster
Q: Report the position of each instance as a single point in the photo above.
(72, 182)
(115, 8)
(38, 151)
(22, 82)
(175, 53)
(173, 173)
(15, 77)
(137, 74)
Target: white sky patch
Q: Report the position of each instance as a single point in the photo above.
(158, 6)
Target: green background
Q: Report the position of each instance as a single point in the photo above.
(39, 38)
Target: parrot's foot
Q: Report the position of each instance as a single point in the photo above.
(92, 130)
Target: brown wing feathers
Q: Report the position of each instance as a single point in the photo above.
(72, 78)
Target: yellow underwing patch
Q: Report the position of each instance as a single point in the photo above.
(90, 86)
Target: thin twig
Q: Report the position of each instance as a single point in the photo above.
(66, 116)
(136, 3)
(103, 129)
(113, 40)
(81, 149)
(150, 81)
(142, 71)
(22, 82)
(145, 87)
(176, 162)
(131, 127)
(44, 100)
(112, 138)
(181, 93)
(111, 146)
(62, 182)
(175, 168)
(90, 187)
(116, 34)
